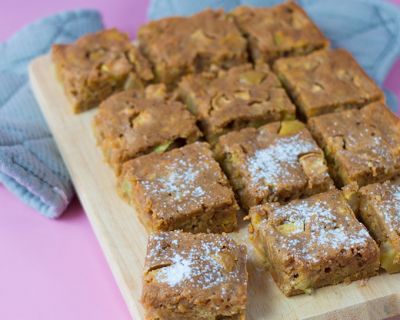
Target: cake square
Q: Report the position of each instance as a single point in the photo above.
(326, 81)
(361, 146)
(240, 97)
(135, 122)
(98, 65)
(380, 212)
(183, 189)
(277, 162)
(279, 31)
(313, 242)
(194, 277)
(182, 45)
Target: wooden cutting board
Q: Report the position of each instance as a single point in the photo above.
(123, 239)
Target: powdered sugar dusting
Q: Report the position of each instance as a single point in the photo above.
(199, 265)
(181, 182)
(178, 182)
(396, 197)
(326, 232)
(179, 271)
(270, 165)
(375, 153)
(390, 208)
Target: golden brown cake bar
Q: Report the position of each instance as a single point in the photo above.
(313, 242)
(280, 31)
(326, 81)
(380, 212)
(97, 65)
(137, 122)
(181, 189)
(194, 277)
(361, 146)
(182, 45)
(240, 97)
(277, 162)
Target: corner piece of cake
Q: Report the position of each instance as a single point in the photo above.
(136, 122)
(194, 277)
(98, 65)
(380, 212)
(313, 242)
(326, 81)
(362, 146)
(276, 162)
(182, 45)
(243, 96)
(279, 31)
(182, 189)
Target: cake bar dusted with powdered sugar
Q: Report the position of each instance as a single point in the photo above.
(314, 242)
(181, 189)
(194, 276)
(277, 162)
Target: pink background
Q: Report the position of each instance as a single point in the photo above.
(54, 269)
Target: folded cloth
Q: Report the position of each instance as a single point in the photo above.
(370, 29)
(30, 164)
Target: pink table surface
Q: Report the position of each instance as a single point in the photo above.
(54, 269)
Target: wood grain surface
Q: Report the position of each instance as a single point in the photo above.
(123, 239)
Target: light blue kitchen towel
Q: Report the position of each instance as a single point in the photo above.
(370, 29)
(30, 164)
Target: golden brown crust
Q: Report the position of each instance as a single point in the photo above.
(326, 81)
(283, 30)
(194, 276)
(182, 45)
(361, 146)
(267, 165)
(137, 122)
(314, 242)
(180, 189)
(231, 100)
(97, 65)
